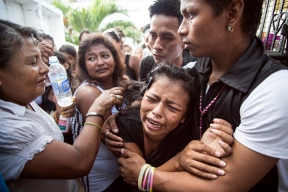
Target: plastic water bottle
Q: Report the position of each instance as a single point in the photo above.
(61, 88)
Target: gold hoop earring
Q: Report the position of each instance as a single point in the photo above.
(230, 28)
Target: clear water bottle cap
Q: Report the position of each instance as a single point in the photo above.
(53, 60)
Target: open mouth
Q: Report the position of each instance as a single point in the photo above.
(101, 70)
(155, 124)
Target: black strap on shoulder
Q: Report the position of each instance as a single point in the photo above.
(127, 57)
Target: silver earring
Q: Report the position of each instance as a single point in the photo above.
(230, 28)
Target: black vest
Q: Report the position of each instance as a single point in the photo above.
(240, 80)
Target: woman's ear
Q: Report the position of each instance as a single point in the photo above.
(235, 11)
(66, 65)
(184, 118)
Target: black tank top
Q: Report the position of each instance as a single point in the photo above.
(130, 72)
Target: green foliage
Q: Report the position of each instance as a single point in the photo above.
(72, 38)
(60, 5)
(77, 19)
(127, 27)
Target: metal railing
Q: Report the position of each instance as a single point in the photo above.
(273, 29)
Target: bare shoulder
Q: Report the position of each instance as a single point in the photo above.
(134, 60)
(87, 91)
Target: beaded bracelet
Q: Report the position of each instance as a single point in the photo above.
(96, 125)
(95, 114)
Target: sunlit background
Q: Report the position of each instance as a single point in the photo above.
(64, 19)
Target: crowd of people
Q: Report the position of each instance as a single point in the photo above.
(199, 107)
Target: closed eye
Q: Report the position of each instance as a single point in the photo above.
(173, 108)
(34, 62)
(151, 99)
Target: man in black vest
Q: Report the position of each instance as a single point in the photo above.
(239, 84)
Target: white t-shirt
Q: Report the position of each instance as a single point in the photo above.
(264, 121)
(189, 65)
(23, 134)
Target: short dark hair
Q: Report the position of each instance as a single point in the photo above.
(166, 8)
(12, 39)
(251, 14)
(189, 81)
(47, 36)
(68, 49)
(82, 32)
(62, 59)
(145, 28)
(81, 70)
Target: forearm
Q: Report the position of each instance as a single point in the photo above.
(171, 165)
(182, 181)
(167, 181)
(63, 161)
(88, 142)
(244, 169)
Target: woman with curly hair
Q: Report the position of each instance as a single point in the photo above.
(99, 68)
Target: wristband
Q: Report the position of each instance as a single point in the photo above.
(144, 167)
(145, 178)
(96, 125)
(152, 177)
(94, 114)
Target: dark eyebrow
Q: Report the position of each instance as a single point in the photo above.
(102, 52)
(167, 34)
(163, 33)
(107, 52)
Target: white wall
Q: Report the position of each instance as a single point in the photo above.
(137, 10)
(37, 14)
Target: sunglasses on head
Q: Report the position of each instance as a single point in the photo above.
(114, 31)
